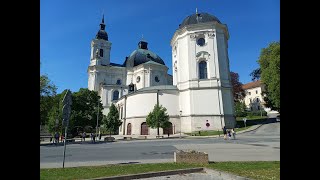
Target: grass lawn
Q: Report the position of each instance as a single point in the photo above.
(255, 170)
(260, 170)
(251, 118)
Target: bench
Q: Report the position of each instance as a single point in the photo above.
(127, 138)
(142, 137)
(70, 140)
(109, 139)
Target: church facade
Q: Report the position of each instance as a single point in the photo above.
(198, 96)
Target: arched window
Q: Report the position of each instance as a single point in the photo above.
(203, 70)
(101, 52)
(115, 95)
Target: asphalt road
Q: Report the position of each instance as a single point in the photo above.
(262, 144)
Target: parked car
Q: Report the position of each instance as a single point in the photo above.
(278, 118)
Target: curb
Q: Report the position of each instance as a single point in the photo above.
(225, 175)
(151, 174)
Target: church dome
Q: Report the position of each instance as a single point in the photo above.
(142, 55)
(198, 18)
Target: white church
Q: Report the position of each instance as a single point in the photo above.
(198, 96)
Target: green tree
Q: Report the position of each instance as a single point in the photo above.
(112, 121)
(85, 107)
(158, 118)
(269, 62)
(47, 92)
(240, 109)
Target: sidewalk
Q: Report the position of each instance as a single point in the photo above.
(145, 137)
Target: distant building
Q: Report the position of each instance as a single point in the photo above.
(254, 99)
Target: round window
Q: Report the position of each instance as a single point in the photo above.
(119, 82)
(156, 79)
(138, 79)
(201, 41)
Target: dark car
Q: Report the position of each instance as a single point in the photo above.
(278, 118)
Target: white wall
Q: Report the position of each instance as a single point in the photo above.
(204, 101)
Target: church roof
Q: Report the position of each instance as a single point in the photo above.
(198, 18)
(251, 85)
(102, 34)
(142, 55)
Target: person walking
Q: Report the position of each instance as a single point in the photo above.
(224, 132)
(233, 133)
(84, 136)
(56, 137)
(229, 134)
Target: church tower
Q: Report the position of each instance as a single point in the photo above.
(100, 56)
(201, 72)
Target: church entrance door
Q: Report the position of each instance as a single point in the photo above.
(129, 129)
(144, 128)
(168, 130)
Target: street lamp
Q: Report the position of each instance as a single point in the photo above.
(180, 122)
(97, 118)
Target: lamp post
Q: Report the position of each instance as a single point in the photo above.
(180, 122)
(97, 118)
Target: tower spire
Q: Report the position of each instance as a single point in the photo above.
(102, 18)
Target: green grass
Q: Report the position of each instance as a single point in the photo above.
(251, 118)
(107, 170)
(256, 170)
(260, 170)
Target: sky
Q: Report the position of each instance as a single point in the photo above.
(68, 27)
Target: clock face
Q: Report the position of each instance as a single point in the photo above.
(201, 41)
(138, 79)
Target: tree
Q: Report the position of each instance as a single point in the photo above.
(255, 74)
(240, 109)
(269, 62)
(47, 92)
(112, 121)
(238, 92)
(84, 109)
(158, 118)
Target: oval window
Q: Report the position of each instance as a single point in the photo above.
(201, 41)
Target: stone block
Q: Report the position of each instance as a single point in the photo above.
(191, 157)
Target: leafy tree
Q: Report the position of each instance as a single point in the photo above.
(238, 92)
(158, 118)
(84, 109)
(269, 62)
(47, 92)
(255, 74)
(240, 109)
(112, 121)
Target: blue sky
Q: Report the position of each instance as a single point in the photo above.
(67, 28)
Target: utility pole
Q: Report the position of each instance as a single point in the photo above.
(158, 106)
(97, 118)
(66, 111)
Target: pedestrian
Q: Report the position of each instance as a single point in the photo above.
(224, 133)
(233, 133)
(99, 136)
(94, 137)
(56, 136)
(62, 138)
(84, 136)
(229, 134)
